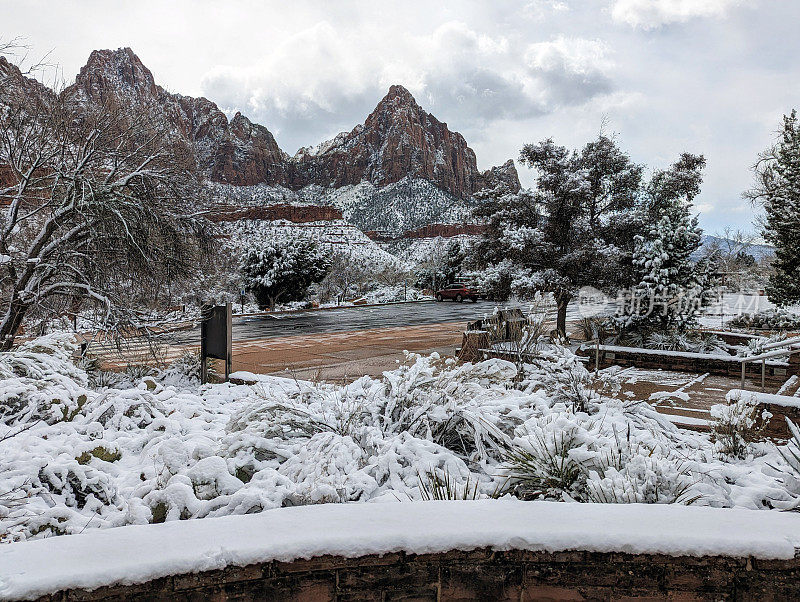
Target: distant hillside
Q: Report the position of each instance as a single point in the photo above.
(709, 241)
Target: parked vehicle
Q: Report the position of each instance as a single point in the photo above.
(457, 292)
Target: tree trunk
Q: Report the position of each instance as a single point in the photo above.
(11, 324)
(561, 320)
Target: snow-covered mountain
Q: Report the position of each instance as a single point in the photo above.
(398, 140)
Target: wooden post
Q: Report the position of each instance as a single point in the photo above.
(229, 343)
(763, 375)
(744, 370)
(597, 357)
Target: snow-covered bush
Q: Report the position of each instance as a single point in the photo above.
(694, 342)
(542, 463)
(576, 456)
(40, 381)
(436, 486)
(771, 319)
(167, 449)
(633, 474)
(788, 471)
(736, 425)
(757, 345)
(561, 374)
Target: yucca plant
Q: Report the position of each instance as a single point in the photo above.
(432, 486)
(546, 469)
(790, 453)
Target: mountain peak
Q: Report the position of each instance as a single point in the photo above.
(116, 70)
(14, 84)
(398, 91)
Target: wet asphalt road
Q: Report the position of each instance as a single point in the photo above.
(352, 319)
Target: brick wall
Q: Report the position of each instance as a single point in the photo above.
(477, 575)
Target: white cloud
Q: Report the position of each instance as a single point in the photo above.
(503, 73)
(651, 14)
(539, 10)
(569, 55)
(322, 75)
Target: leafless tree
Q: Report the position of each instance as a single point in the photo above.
(95, 204)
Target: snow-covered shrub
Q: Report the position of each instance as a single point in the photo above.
(710, 343)
(77, 483)
(595, 328)
(574, 457)
(163, 450)
(563, 376)
(668, 341)
(771, 319)
(542, 465)
(436, 486)
(736, 425)
(693, 342)
(788, 472)
(185, 370)
(632, 473)
(439, 404)
(40, 381)
(756, 346)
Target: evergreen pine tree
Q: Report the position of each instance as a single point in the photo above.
(778, 189)
(575, 229)
(671, 285)
(282, 269)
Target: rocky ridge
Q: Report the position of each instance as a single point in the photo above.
(398, 140)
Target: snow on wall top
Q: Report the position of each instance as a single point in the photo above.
(768, 398)
(139, 553)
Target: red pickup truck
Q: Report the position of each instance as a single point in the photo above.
(457, 292)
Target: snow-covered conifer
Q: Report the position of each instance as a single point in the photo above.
(778, 189)
(671, 285)
(282, 269)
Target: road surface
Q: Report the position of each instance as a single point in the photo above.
(351, 319)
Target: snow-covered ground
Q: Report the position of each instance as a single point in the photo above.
(141, 553)
(403, 205)
(75, 458)
(731, 305)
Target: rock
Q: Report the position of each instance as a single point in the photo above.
(397, 140)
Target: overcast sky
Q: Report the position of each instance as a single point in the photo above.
(706, 76)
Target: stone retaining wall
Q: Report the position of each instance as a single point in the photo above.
(775, 375)
(478, 575)
(776, 427)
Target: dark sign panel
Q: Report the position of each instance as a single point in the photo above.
(216, 336)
